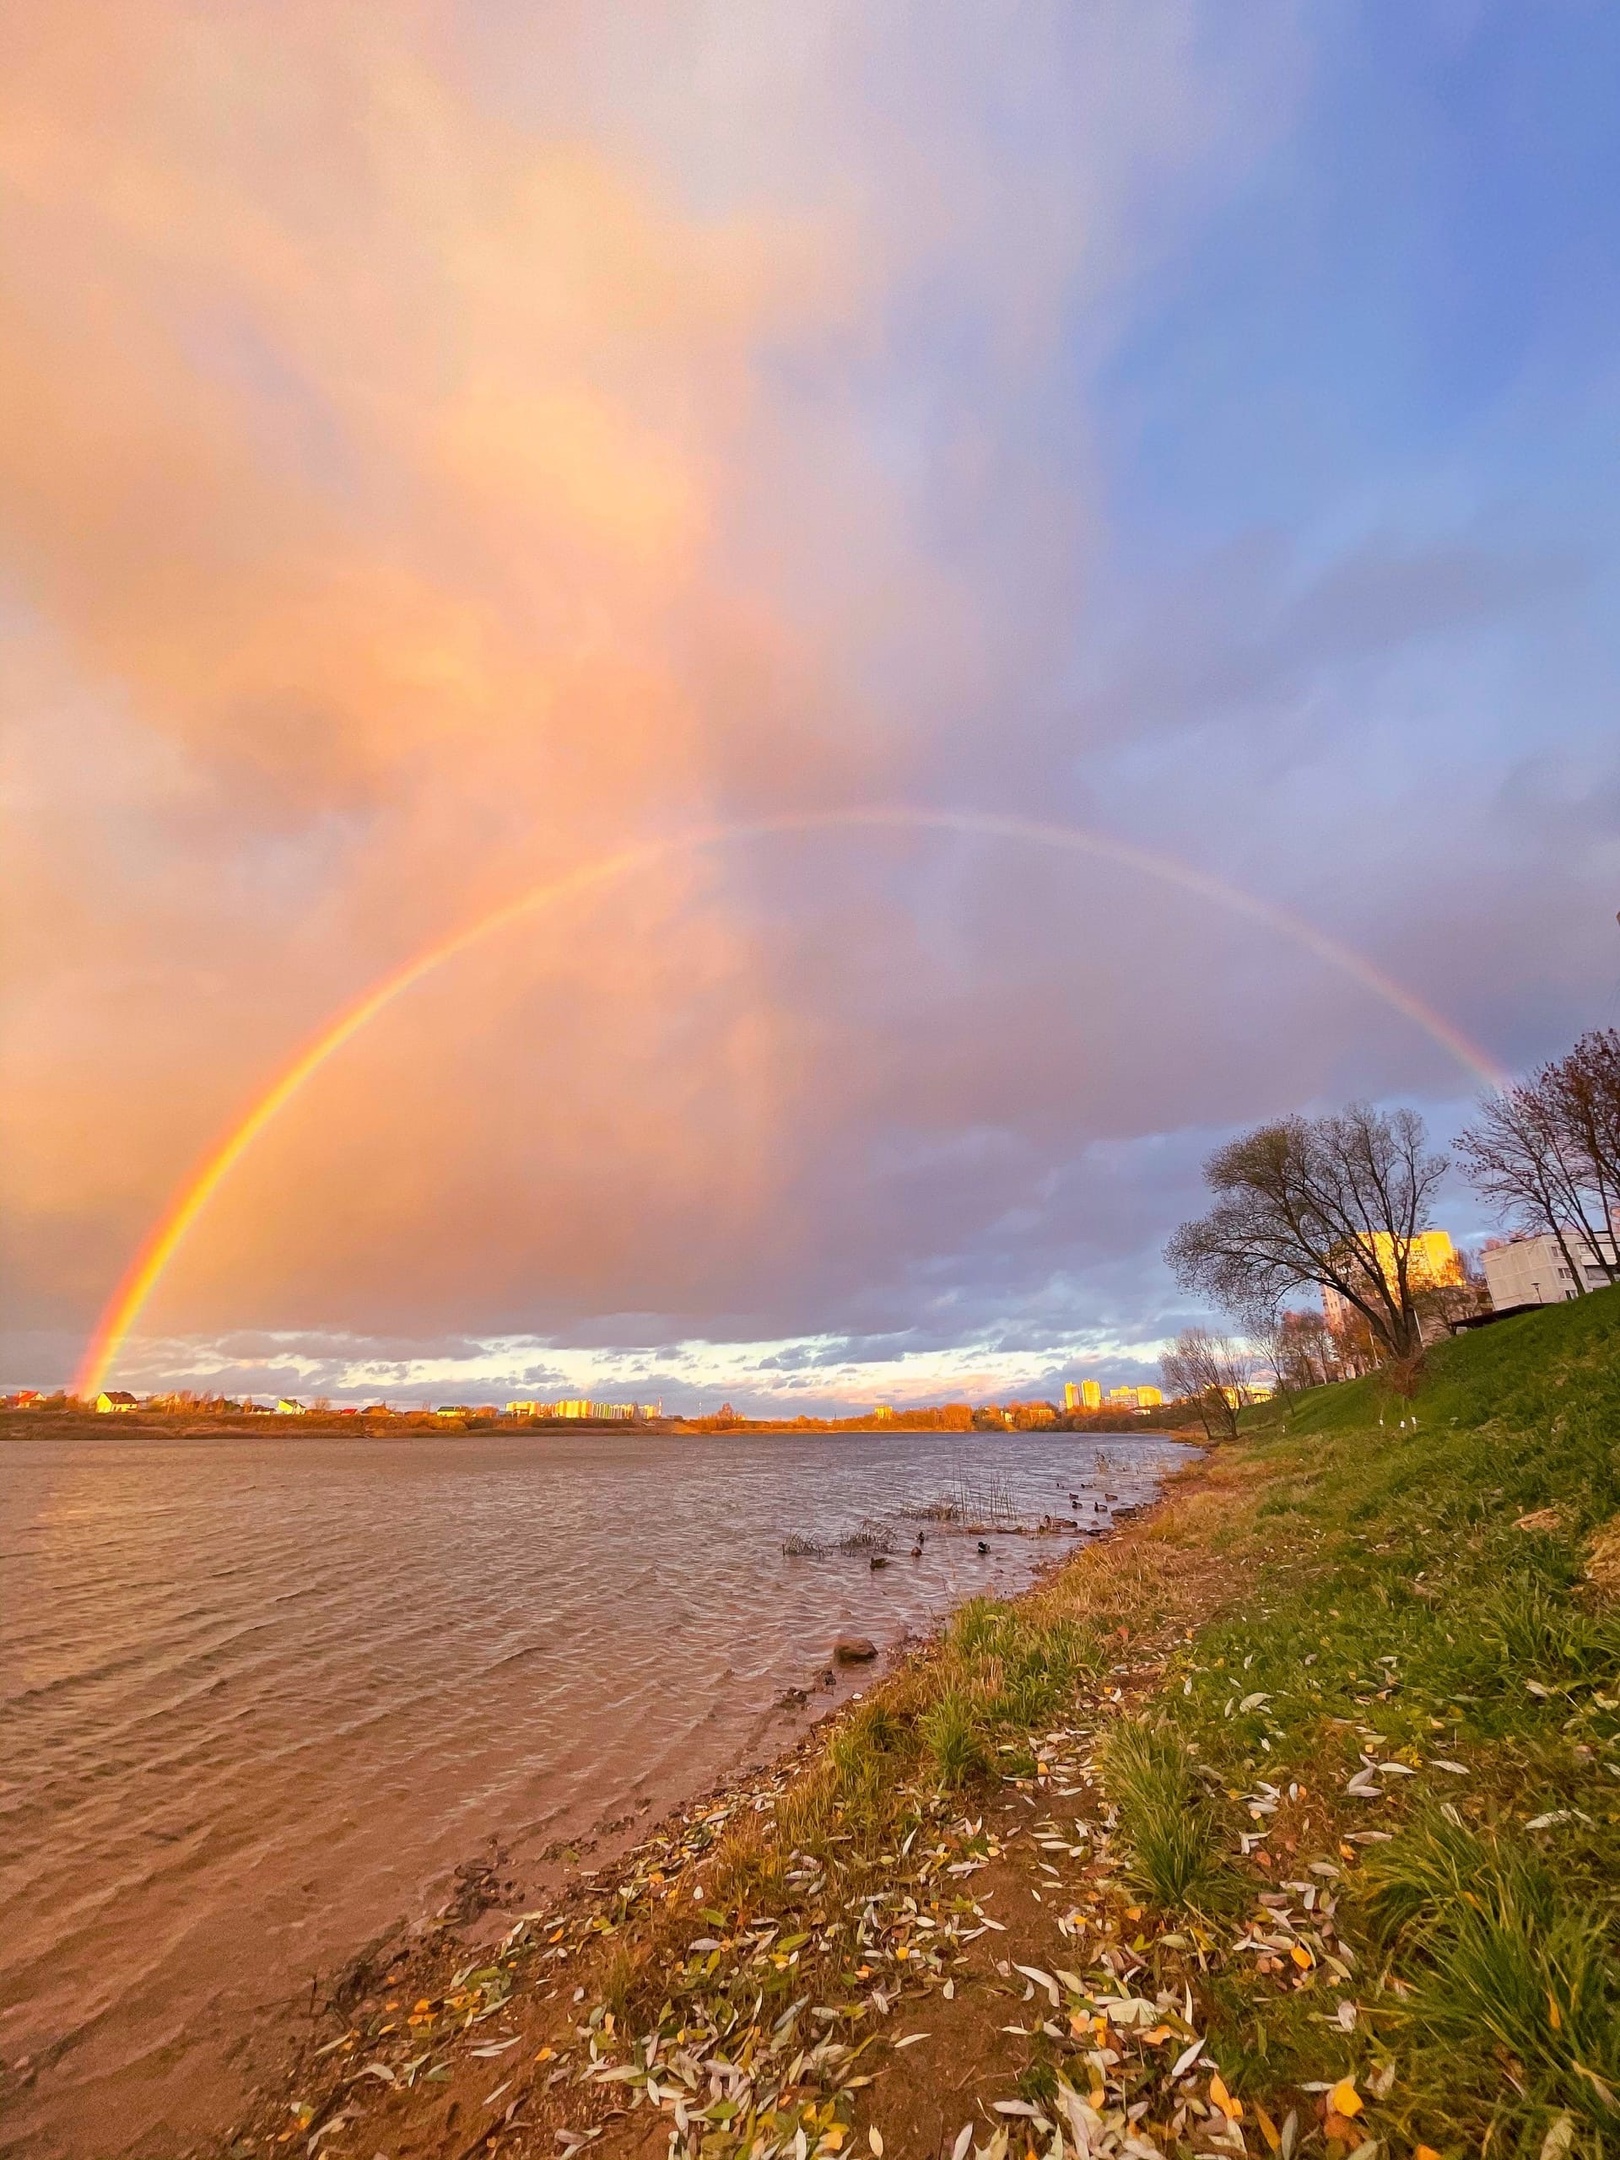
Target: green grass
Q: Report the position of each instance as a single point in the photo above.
(1393, 1595)
(1376, 1598)
(1171, 1830)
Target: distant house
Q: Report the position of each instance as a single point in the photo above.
(454, 1409)
(112, 1401)
(288, 1408)
(24, 1399)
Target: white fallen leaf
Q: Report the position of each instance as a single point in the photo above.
(1041, 1979)
(1557, 2141)
(1185, 2060)
(1457, 1769)
(964, 2138)
(910, 2040)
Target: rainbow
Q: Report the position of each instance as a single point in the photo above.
(170, 1231)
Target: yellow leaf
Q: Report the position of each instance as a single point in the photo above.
(1157, 2037)
(1268, 2129)
(1218, 2093)
(1554, 2014)
(1344, 2099)
(1425, 2152)
(1301, 1957)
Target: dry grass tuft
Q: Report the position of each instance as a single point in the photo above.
(1603, 1561)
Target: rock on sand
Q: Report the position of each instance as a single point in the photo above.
(854, 1650)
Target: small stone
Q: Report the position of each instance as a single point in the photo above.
(854, 1650)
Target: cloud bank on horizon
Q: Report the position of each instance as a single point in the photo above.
(446, 445)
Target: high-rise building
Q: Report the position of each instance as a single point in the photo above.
(1082, 1394)
(1433, 1263)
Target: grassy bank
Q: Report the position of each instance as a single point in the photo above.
(1288, 1821)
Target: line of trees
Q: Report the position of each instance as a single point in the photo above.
(1339, 1204)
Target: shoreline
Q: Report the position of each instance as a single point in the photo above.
(242, 2035)
(420, 1961)
(1267, 1823)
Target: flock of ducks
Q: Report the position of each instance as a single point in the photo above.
(1098, 1507)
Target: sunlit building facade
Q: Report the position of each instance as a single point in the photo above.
(1433, 1263)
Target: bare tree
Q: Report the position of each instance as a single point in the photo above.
(1585, 1087)
(1336, 1201)
(1546, 1152)
(1305, 1355)
(1211, 1373)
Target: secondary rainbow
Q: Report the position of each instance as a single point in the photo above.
(169, 1232)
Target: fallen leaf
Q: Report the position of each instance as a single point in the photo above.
(1557, 2141)
(1185, 2060)
(1344, 2099)
(1230, 2108)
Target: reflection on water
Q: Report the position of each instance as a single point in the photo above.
(259, 1697)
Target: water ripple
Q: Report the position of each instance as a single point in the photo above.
(258, 1697)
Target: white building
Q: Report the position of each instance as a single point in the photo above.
(1533, 1271)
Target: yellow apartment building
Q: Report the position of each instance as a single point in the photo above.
(1433, 1263)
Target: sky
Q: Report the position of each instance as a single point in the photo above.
(451, 448)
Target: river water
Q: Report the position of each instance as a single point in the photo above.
(259, 1697)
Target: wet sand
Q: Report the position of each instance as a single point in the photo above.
(261, 1698)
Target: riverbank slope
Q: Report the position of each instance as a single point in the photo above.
(1287, 1820)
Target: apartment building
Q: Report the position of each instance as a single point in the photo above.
(1532, 1270)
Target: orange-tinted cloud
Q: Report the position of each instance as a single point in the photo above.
(444, 445)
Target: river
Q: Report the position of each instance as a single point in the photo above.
(261, 1695)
